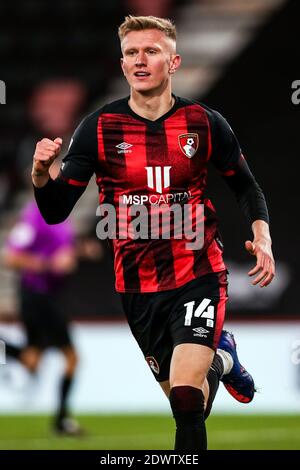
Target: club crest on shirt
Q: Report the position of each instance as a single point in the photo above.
(188, 144)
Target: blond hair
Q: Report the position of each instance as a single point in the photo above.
(139, 23)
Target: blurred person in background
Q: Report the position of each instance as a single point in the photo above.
(44, 256)
(157, 145)
(54, 107)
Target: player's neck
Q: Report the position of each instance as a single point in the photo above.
(151, 107)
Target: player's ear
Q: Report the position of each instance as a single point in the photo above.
(122, 64)
(174, 63)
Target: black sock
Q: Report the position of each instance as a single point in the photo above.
(64, 392)
(187, 404)
(213, 377)
(13, 351)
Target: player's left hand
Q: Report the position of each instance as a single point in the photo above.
(265, 265)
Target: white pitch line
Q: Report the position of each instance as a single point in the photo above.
(274, 434)
(100, 439)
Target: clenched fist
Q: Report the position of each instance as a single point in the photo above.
(46, 152)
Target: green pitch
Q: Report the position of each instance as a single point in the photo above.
(151, 432)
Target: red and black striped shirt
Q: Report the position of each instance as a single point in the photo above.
(137, 161)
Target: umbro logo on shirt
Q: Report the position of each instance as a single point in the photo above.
(123, 147)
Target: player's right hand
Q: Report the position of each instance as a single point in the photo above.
(45, 153)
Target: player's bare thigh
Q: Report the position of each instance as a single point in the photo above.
(189, 366)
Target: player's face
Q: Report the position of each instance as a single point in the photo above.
(149, 59)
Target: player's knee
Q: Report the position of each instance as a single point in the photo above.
(74, 358)
(30, 360)
(71, 359)
(187, 404)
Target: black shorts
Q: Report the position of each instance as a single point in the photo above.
(193, 313)
(45, 325)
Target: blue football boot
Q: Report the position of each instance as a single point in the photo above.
(238, 382)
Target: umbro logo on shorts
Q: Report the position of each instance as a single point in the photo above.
(200, 332)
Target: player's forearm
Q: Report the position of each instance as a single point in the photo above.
(261, 230)
(249, 195)
(253, 204)
(56, 200)
(25, 261)
(39, 179)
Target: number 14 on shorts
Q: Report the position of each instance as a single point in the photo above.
(204, 310)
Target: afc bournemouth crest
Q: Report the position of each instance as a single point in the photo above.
(188, 144)
(152, 363)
